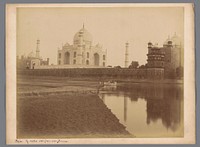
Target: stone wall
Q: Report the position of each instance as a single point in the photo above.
(88, 72)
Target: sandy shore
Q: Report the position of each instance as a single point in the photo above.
(54, 114)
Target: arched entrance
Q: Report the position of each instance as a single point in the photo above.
(67, 58)
(96, 59)
(87, 62)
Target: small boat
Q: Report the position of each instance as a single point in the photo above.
(109, 83)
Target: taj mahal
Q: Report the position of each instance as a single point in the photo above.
(82, 53)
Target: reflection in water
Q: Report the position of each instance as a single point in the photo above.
(125, 107)
(147, 110)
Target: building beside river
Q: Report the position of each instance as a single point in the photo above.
(166, 61)
(32, 60)
(84, 59)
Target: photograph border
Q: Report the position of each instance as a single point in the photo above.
(11, 79)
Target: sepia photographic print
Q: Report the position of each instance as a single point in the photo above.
(100, 74)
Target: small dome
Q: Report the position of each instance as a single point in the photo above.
(87, 37)
(31, 55)
(150, 45)
(169, 42)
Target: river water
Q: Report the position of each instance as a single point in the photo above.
(147, 110)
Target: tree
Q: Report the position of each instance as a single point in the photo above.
(143, 66)
(117, 67)
(134, 64)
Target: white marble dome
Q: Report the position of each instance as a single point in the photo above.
(87, 37)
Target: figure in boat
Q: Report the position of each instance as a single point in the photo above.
(109, 83)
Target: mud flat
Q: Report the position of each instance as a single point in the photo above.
(66, 115)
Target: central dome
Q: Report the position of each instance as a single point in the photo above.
(87, 37)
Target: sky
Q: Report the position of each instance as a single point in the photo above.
(112, 27)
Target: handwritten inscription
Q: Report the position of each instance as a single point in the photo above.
(40, 141)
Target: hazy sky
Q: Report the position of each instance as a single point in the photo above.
(111, 27)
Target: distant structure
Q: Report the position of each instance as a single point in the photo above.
(173, 49)
(166, 61)
(155, 59)
(82, 53)
(32, 61)
(127, 55)
(38, 49)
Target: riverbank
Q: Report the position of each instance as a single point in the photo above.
(164, 81)
(61, 108)
(89, 82)
(66, 116)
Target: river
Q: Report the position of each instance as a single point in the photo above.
(147, 110)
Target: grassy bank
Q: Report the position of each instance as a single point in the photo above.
(50, 107)
(65, 116)
(37, 84)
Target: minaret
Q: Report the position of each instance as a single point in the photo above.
(126, 55)
(38, 49)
